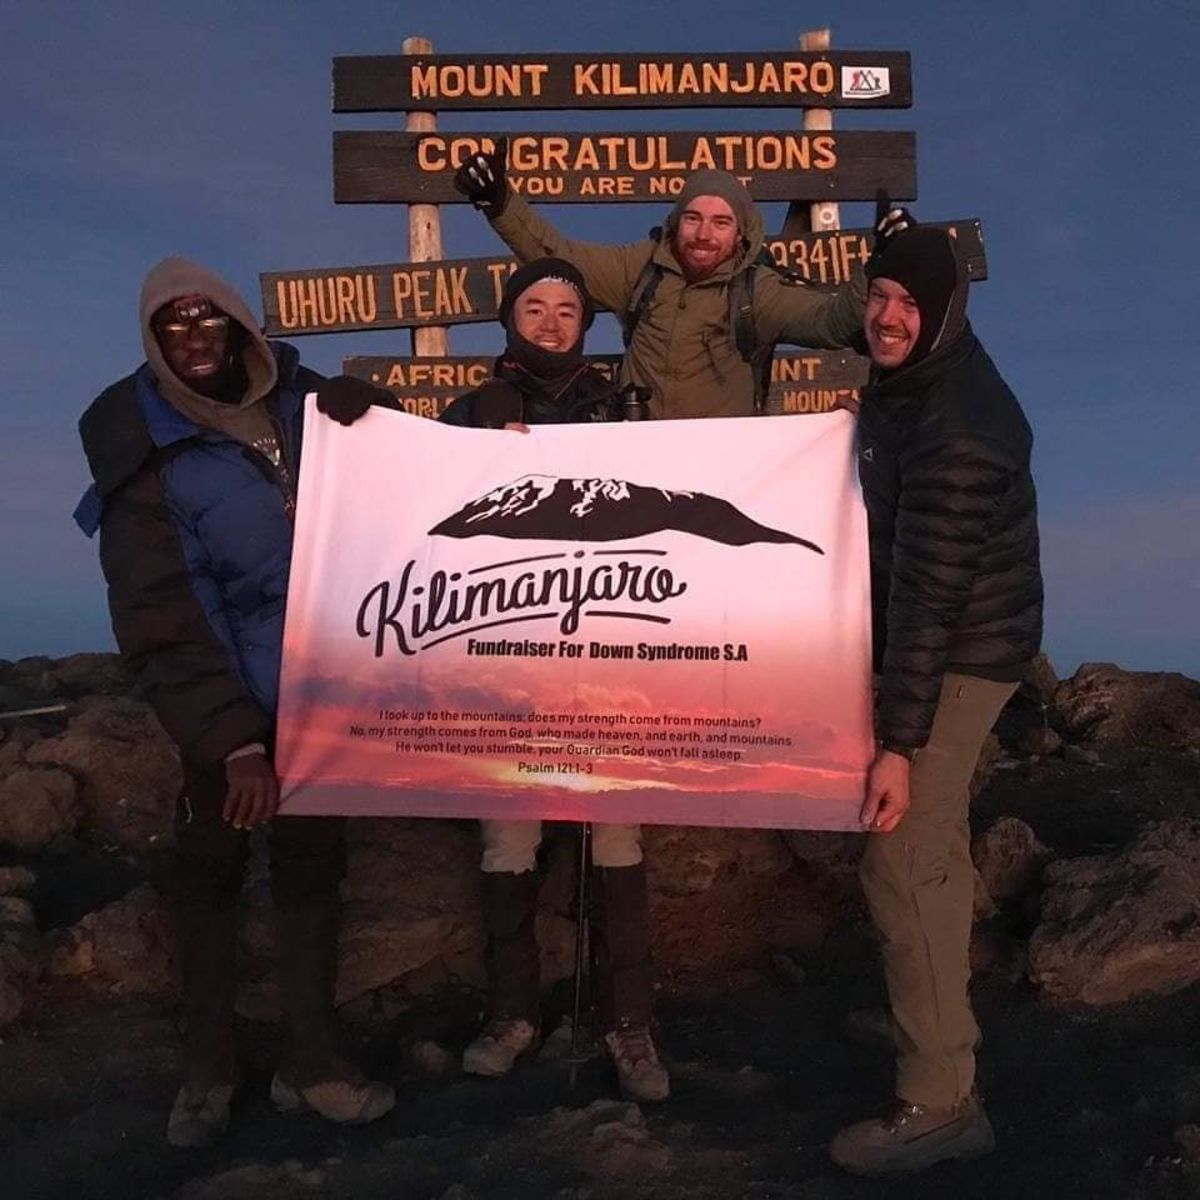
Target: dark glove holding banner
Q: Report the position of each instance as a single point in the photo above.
(890, 219)
(497, 404)
(483, 180)
(345, 398)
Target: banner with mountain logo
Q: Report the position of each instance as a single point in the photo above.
(661, 622)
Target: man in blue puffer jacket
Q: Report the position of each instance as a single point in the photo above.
(194, 459)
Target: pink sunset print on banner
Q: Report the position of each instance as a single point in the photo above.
(662, 622)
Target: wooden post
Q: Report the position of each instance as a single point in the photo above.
(815, 218)
(425, 225)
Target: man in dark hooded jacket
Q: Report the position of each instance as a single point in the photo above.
(542, 377)
(683, 342)
(195, 458)
(944, 460)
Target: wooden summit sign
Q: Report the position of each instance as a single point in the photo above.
(797, 79)
(801, 382)
(418, 168)
(459, 291)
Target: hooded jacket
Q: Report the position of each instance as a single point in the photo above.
(196, 526)
(683, 348)
(944, 461)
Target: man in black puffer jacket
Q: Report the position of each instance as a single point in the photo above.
(944, 454)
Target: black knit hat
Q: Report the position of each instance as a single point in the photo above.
(922, 261)
(534, 272)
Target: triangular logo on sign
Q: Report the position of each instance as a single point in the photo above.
(865, 83)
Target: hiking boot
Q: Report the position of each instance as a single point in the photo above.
(914, 1137)
(642, 1077)
(200, 1115)
(499, 1044)
(346, 1096)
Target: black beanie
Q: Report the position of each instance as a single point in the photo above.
(922, 261)
(534, 272)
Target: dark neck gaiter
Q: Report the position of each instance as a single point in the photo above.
(551, 367)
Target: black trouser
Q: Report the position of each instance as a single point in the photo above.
(308, 862)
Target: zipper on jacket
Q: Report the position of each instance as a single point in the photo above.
(282, 479)
(706, 338)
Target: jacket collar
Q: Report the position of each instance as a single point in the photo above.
(906, 380)
(166, 425)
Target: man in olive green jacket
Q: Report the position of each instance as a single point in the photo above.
(683, 346)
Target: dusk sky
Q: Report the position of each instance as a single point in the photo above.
(134, 131)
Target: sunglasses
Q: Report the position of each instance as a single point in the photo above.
(208, 325)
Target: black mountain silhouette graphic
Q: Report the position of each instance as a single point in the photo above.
(604, 510)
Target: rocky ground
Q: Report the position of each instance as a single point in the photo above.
(1086, 953)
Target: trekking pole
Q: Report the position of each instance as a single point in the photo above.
(33, 712)
(581, 929)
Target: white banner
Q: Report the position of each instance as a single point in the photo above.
(663, 622)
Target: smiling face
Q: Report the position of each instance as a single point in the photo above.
(706, 236)
(195, 338)
(892, 323)
(550, 315)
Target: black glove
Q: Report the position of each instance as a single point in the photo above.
(497, 404)
(482, 179)
(345, 398)
(890, 219)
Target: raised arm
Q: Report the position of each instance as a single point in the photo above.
(610, 271)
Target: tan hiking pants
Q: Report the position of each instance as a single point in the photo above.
(919, 883)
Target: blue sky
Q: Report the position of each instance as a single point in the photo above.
(132, 131)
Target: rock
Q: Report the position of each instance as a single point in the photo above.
(871, 1027)
(122, 948)
(20, 961)
(15, 911)
(1009, 859)
(982, 905)
(281, 1181)
(16, 879)
(128, 767)
(1039, 742)
(43, 680)
(1136, 709)
(18, 981)
(832, 855)
(685, 861)
(36, 806)
(1030, 710)
(1187, 1138)
(788, 969)
(411, 896)
(431, 1060)
(990, 754)
(1081, 754)
(1041, 680)
(1122, 925)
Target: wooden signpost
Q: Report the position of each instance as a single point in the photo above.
(459, 291)
(813, 167)
(801, 381)
(846, 79)
(387, 167)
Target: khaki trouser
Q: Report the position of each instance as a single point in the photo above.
(512, 845)
(919, 883)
